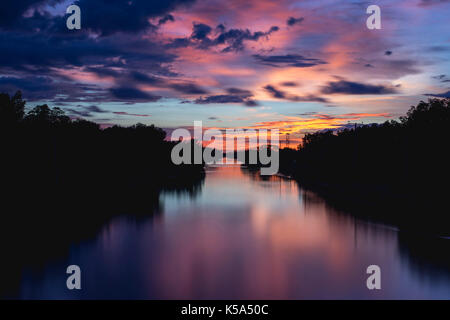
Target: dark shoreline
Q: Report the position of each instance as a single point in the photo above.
(381, 204)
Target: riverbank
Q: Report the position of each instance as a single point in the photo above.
(395, 171)
(62, 179)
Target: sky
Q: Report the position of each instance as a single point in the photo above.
(299, 66)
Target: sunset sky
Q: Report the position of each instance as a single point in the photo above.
(299, 66)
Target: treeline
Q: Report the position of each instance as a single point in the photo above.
(400, 166)
(62, 179)
(46, 146)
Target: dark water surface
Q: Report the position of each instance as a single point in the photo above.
(243, 237)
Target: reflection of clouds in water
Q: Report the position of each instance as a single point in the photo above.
(265, 243)
(243, 237)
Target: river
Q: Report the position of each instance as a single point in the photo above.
(241, 237)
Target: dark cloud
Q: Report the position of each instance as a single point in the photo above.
(251, 103)
(279, 94)
(291, 21)
(203, 37)
(36, 88)
(123, 113)
(106, 17)
(183, 87)
(368, 65)
(78, 112)
(145, 78)
(240, 92)
(275, 92)
(289, 84)
(221, 98)
(95, 109)
(289, 60)
(388, 53)
(200, 31)
(349, 87)
(234, 95)
(235, 38)
(41, 44)
(29, 84)
(441, 78)
(166, 18)
(44, 52)
(439, 95)
(188, 88)
(85, 111)
(132, 94)
(11, 11)
(102, 17)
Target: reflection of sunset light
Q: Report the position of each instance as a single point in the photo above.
(267, 237)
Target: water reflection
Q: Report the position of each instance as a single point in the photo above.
(242, 236)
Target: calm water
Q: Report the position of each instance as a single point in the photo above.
(241, 237)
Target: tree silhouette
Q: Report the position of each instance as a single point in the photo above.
(11, 109)
(42, 114)
(400, 164)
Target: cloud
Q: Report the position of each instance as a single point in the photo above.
(36, 88)
(349, 87)
(388, 53)
(188, 88)
(125, 51)
(289, 84)
(221, 98)
(81, 113)
(12, 11)
(132, 94)
(275, 92)
(291, 21)
(105, 17)
(311, 122)
(279, 94)
(123, 113)
(95, 109)
(44, 52)
(145, 78)
(183, 87)
(200, 31)
(202, 37)
(29, 84)
(234, 95)
(165, 19)
(439, 95)
(441, 78)
(289, 60)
